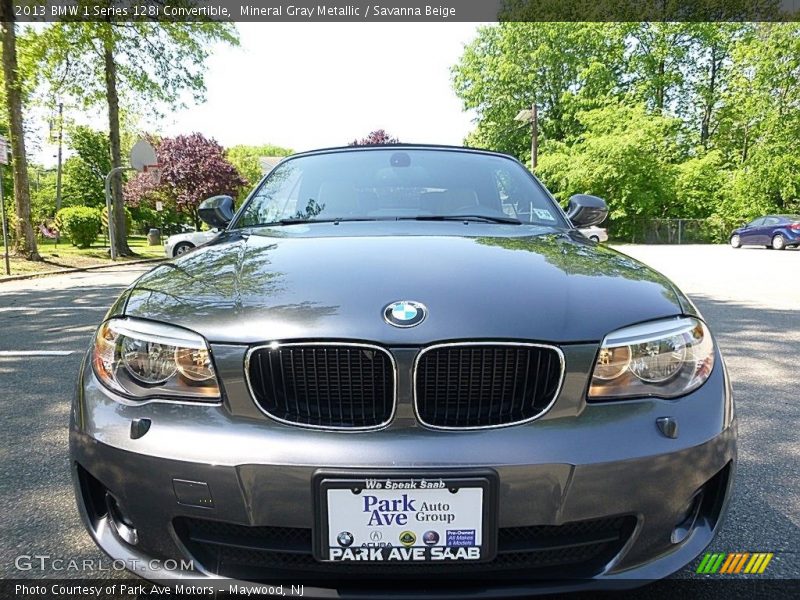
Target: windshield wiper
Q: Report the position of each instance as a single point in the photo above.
(477, 218)
(304, 221)
(474, 218)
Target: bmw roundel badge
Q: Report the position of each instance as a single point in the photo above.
(405, 313)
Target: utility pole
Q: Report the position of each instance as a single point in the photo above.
(60, 138)
(531, 116)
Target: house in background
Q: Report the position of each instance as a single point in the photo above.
(268, 162)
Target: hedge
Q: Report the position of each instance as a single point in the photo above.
(80, 224)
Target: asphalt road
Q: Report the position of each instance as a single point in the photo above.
(750, 297)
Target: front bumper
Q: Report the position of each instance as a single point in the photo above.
(581, 464)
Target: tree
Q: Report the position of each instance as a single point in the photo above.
(664, 119)
(25, 240)
(85, 171)
(709, 70)
(379, 136)
(760, 122)
(625, 155)
(561, 67)
(151, 64)
(195, 168)
(656, 62)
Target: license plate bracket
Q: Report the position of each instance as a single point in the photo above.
(450, 516)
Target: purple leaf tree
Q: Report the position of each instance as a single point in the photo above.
(375, 137)
(195, 168)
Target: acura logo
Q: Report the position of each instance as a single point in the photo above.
(405, 313)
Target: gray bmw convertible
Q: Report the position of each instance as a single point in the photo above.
(402, 370)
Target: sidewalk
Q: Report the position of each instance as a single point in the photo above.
(65, 258)
(110, 265)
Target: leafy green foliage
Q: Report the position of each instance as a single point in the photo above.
(85, 171)
(80, 224)
(624, 156)
(664, 120)
(563, 67)
(157, 62)
(151, 65)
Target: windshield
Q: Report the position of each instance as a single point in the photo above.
(392, 183)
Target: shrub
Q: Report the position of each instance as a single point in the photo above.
(80, 224)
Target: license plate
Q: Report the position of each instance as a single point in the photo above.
(405, 519)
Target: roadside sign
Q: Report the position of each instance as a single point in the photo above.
(159, 205)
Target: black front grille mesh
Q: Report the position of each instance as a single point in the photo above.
(484, 385)
(575, 549)
(338, 385)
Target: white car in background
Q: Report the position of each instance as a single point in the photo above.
(596, 234)
(180, 243)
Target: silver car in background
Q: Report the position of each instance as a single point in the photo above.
(180, 243)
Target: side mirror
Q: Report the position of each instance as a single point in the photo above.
(217, 211)
(585, 210)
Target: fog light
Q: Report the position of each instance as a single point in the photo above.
(120, 522)
(687, 518)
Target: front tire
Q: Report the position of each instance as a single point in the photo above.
(182, 248)
(594, 238)
(779, 242)
(736, 241)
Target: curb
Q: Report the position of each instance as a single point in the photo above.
(5, 278)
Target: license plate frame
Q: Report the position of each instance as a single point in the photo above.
(485, 480)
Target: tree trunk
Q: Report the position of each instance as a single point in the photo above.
(705, 125)
(746, 142)
(25, 242)
(660, 86)
(120, 226)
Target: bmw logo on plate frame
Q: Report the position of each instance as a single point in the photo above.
(405, 313)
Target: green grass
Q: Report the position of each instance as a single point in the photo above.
(64, 255)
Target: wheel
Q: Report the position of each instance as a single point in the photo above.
(182, 248)
(736, 242)
(779, 242)
(594, 238)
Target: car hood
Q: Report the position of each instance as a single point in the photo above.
(254, 288)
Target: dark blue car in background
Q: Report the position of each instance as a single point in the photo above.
(773, 231)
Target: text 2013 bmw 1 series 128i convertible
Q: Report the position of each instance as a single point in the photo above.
(401, 369)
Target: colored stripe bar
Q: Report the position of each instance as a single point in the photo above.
(729, 562)
(753, 561)
(717, 564)
(766, 562)
(701, 568)
(740, 564)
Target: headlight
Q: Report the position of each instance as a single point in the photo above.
(664, 358)
(144, 360)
